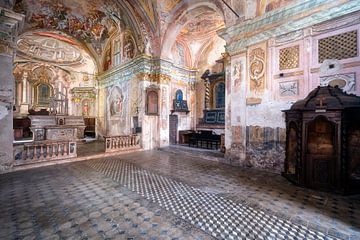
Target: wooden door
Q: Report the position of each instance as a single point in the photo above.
(173, 129)
(321, 154)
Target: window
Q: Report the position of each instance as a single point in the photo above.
(179, 95)
(220, 95)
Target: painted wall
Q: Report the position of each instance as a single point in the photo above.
(122, 93)
(268, 70)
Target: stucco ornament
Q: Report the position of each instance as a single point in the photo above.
(3, 110)
(330, 66)
(257, 66)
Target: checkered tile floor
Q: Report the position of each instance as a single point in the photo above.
(218, 216)
(73, 201)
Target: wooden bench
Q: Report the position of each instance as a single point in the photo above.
(205, 139)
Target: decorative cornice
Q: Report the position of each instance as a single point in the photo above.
(145, 68)
(291, 18)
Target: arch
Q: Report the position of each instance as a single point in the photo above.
(182, 14)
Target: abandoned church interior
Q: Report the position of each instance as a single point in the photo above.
(180, 119)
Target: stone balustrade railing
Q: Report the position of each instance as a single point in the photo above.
(45, 151)
(121, 143)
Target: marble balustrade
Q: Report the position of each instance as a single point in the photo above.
(121, 143)
(45, 151)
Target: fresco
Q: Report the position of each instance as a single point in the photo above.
(264, 6)
(54, 48)
(88, 21)
(149, 7)
(204, 23)
(168, 5)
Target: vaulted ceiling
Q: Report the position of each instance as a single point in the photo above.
(163, 23)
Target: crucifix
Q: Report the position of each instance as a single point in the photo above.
(322, 102)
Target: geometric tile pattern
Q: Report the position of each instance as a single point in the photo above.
(220, 217)
(334, 214)
(72, 201)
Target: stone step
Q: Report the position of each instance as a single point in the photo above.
(207, 154)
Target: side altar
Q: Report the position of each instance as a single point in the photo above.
(57, 128)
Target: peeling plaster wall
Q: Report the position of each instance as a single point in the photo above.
(268, 113)
(255, 124)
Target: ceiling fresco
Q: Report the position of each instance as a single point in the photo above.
(202, 25)
(264, 6)
(90, 21)
(54, 48)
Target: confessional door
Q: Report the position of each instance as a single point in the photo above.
(173, 128)
(321, 154)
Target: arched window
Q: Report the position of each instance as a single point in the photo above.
(179, 95)
(220, 95)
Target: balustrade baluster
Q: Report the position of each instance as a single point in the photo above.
(35, 153)
(66, 152)
(47, 151)
(41, 156)
(59, 149)
(27, 153)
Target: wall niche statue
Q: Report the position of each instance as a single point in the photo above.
(152, 101)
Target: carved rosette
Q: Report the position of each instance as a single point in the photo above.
(257, 68)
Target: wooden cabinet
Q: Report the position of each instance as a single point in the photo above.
(322, 132)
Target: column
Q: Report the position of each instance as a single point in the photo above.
(24, 107)
(13, 22)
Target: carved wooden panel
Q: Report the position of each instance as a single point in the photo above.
(289, 58)
(341, 46)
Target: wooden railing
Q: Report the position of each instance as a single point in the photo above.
(45, 151)
(121, 143)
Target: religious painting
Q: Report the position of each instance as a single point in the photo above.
(116, 102)
(129, 47)
(107, 59)
(86, 108)
(179, 95)
(152, 101)
(43, 92)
